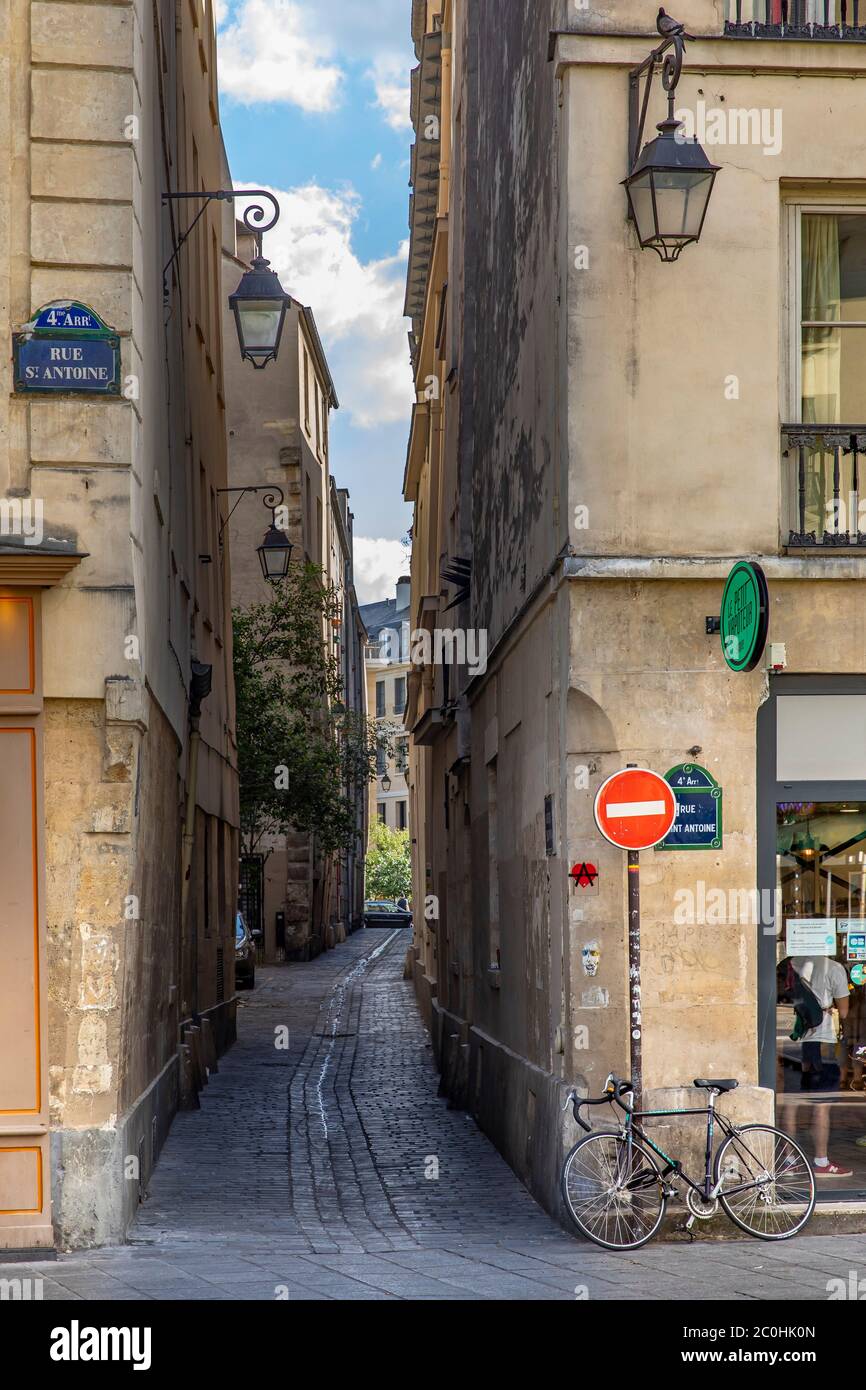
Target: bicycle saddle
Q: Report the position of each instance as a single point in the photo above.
(727, 1085)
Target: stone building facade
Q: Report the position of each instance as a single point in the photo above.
(279, 435)
(388, 668)
(598, 438)
(119, 798)
(350, 641)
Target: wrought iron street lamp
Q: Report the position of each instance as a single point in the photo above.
(275, 551)
(671, 178)
(386, 783)
(259, 303)
(274, 554)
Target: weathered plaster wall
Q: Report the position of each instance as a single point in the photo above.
(675, 390)
(639, 16)
(510, 125)
(667, 460)
(83, 163)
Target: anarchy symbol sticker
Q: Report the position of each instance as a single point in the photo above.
(584, 875)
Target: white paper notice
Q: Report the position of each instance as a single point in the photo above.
(810, 936)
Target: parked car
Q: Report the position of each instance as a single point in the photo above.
(245, 954)
(379, 912)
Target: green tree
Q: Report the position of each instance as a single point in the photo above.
(389, 863)
(302, 755)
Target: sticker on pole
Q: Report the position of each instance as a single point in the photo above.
(635, 808)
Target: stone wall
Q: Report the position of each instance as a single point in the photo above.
(112, 910)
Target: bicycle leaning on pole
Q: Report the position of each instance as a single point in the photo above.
(616, 1192)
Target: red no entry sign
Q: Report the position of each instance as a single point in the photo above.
(635, 809)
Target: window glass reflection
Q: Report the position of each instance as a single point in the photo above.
(821, 968)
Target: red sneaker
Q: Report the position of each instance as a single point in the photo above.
(832, 1170)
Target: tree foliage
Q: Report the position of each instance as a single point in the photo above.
(302, 755)
(389, 863)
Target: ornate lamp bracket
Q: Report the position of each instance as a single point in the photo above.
(272, 499)
(255, 217)
(668, 56)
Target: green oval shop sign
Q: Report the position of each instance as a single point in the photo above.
(745, 616)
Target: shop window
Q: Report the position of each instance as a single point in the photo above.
(821, 913)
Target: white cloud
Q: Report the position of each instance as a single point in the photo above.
(376, 161)
(299, 51)
(269, 50)
(365, 30)
(390, 78)
(378, 566)
(358, 305)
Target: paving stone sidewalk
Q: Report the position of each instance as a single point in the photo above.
(328, 1168)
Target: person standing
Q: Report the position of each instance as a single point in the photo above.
(828, 981)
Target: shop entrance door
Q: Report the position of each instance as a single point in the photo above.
(812, 860)
(25, 1187)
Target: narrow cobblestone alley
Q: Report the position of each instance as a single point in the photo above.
(309, 1173)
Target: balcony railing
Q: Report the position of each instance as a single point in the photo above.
(822, 483)
(797, 19)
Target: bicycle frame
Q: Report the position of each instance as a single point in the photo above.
(707, 1190)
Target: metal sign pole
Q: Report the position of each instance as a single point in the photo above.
(635, 809)
(635, 1027)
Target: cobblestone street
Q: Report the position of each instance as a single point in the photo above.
(309, 1173)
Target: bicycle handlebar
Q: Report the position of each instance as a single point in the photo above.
(615, 1089)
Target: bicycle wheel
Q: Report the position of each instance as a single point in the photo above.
(613, 1191)
(780, 1197)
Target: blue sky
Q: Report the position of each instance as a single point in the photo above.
(314, 102)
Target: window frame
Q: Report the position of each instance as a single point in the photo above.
(792, 355)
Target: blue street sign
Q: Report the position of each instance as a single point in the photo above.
(699, 809)
(74, 364)
(68, 314)
(67, 347)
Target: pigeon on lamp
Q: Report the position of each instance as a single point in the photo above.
(671, 28)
